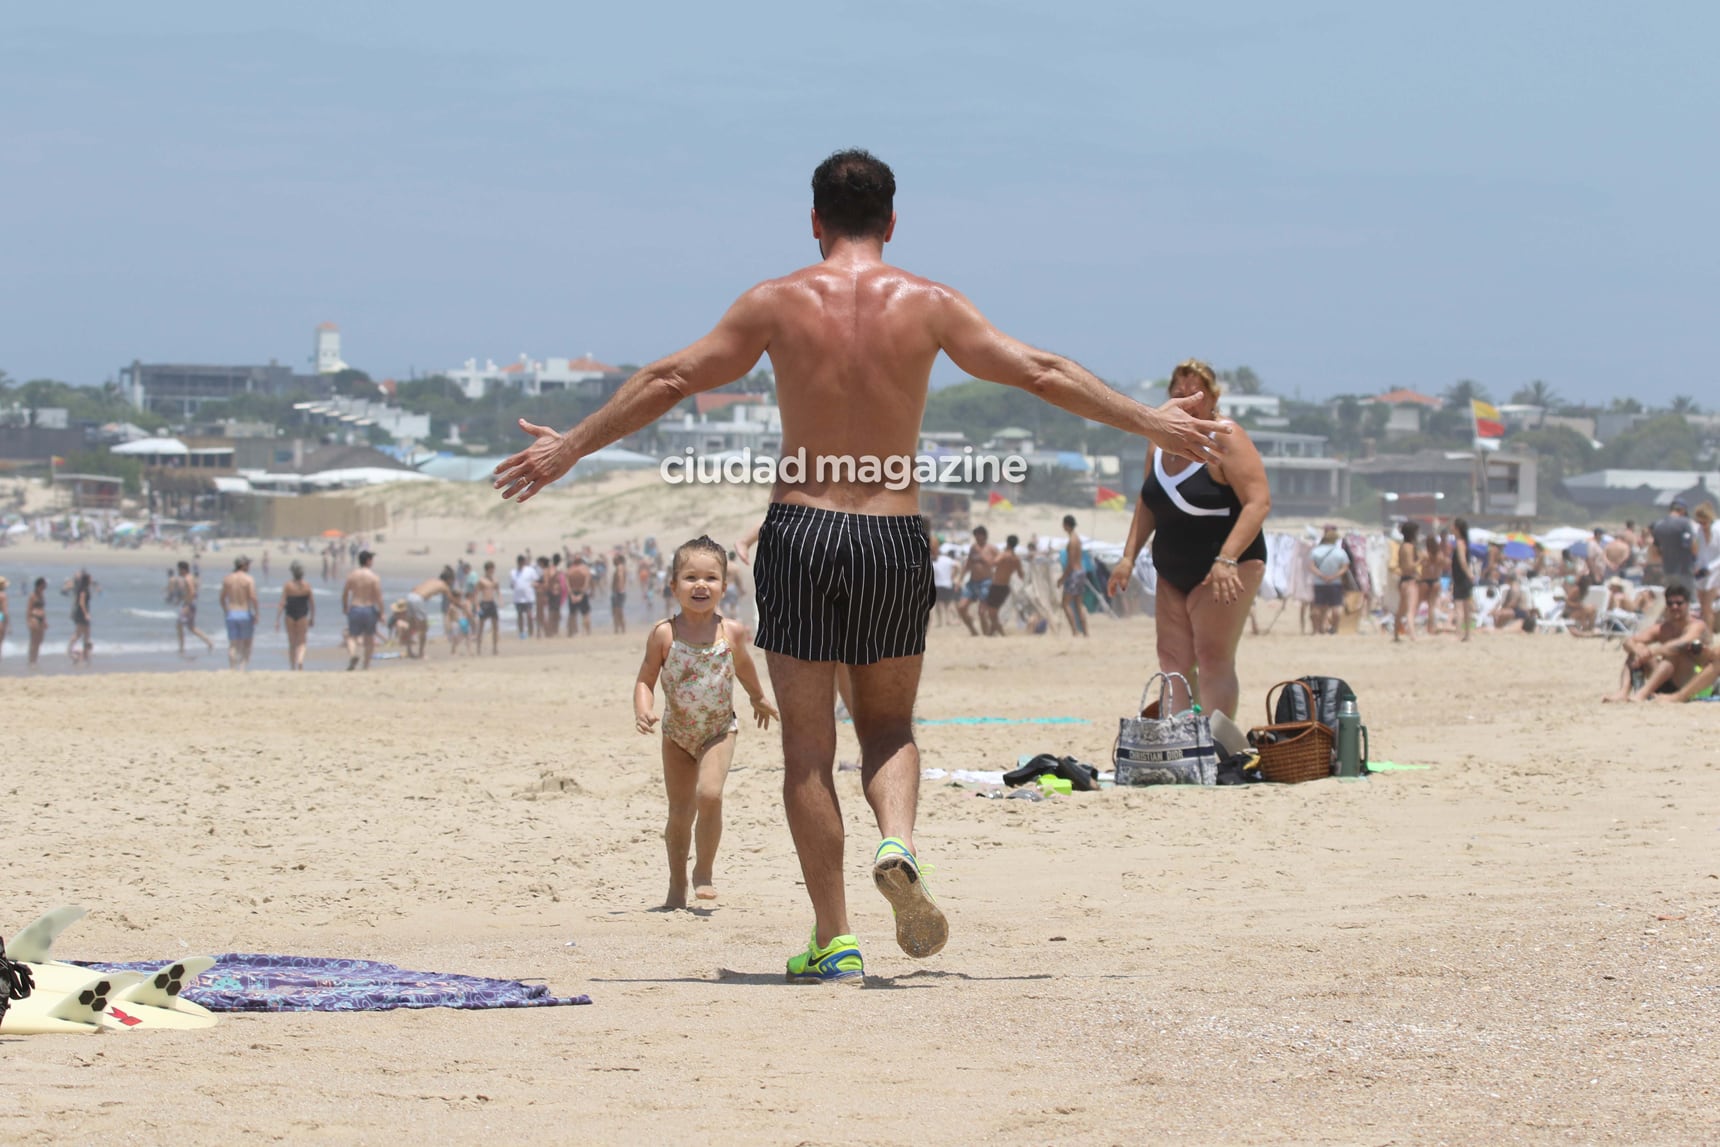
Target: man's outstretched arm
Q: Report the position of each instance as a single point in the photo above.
(719, 358)
(985, 352)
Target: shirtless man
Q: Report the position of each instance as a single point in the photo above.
(239, 606)
(976, 578)
(1073, 581)
(187, 618)
(1005, 569)
(418, 608)
(852, 341)
(1666, 653)
(489, 613)
(578, 595)
(361, 601)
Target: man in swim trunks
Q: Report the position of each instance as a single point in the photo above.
(361, 601)
(976, 578)
(1073, 580)
(578, 595)
(187, 619)
(843, 570)
(418, 608)
(487, 611)
(239, 604)
(1002, 572)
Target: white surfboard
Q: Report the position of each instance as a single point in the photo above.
(77, 1011)
(151, 1000)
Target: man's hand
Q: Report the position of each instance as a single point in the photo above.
(525, 474)
(1179, 432)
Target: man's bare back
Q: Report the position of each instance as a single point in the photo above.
(362, 587)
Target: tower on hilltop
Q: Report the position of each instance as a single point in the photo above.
(328, 349)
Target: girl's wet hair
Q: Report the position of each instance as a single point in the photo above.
(699, 545)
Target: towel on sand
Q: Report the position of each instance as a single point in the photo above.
(248, 982)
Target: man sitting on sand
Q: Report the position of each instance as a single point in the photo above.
(361, 601)
(1663, 657)
(843, 571)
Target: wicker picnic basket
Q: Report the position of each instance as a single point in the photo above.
(1295, 751)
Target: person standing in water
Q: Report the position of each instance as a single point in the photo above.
(239, 605)
(81, 644)
(187, 617)
(36, 617)
(298, 606)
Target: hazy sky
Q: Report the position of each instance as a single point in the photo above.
(1343, 196)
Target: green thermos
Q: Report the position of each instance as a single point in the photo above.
(1352, 740)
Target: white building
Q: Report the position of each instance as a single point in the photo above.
(358, 415)
(750, 426)
(327, 356)
(529, 376)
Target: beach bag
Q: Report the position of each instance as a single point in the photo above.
(1297, 750)
(1161, 750)
(1328, 693)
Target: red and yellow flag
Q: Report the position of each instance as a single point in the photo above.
(1106, 498)
(1489, 426)
(999, 502)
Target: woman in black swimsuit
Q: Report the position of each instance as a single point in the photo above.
(1409, 564)
(1205, 523)
(80, 620)
(1462, 581)
(298, 605)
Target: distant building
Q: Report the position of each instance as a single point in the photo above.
(533, 377)
(179, 391)
(1600, 491)
(1409, 411)
(1302, 477)
(1490, 486)
(754, 427)
(359, 415)
(1240, 406)
(327, 354)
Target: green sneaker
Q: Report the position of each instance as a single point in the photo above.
(921, 929)
(836, 963)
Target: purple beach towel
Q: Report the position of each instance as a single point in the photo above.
(248, 982)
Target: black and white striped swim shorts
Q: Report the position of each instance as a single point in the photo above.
(833, 586)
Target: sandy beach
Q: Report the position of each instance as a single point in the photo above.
(1516, 944)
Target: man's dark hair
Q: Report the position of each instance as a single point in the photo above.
(1069, 521)
(1012, 541)
(1678, 590)
(854, 193)
(364, 557)
(981, 532)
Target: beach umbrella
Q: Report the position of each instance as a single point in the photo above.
(1519, 546)
(17, 528)
(201, 528)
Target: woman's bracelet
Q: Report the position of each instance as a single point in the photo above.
(1224, 561)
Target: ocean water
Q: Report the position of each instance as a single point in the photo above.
(132, 626)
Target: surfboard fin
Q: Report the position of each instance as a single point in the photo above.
(88, 1002)
(34, 943)
(161, 988)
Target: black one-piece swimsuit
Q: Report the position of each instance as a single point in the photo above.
(1193, 514)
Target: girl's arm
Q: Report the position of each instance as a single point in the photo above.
(747, 673)
(645, 687)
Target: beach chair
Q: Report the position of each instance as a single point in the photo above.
(1550, 610)
(1482, 603)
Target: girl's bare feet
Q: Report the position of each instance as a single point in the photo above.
(677, 897)
(704, 891)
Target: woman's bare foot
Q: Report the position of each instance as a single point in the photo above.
(704, 891)
(677, 897)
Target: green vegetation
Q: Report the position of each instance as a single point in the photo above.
(104, 403)
(112, 465)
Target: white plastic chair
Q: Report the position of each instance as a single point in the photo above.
(1550, 609)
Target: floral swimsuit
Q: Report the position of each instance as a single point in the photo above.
(698, 693)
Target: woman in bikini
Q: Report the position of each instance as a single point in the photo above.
(298, 606)
(1433, 568)
(1204, 520)
(1409, 565)
(698, 654)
